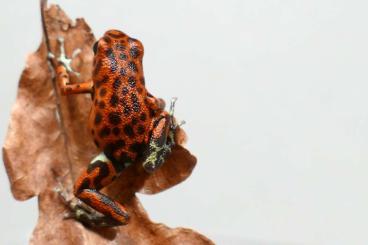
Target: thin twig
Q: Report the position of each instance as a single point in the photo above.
(54, 64)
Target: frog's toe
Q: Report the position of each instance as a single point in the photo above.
(69, 215)
(181, 123)
(172, 105)
(76, 52)
(64, 195)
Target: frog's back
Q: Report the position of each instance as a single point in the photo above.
(120, 116)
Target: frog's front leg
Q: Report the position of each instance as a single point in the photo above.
(63, 70)
(99, 174)
(66, 87)
(161, 141)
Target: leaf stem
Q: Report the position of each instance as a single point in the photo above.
(54, 64)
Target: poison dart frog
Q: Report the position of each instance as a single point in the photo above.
(127, 123)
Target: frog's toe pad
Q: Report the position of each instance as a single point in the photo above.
(89, 217)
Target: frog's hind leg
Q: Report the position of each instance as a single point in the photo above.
(99, 174)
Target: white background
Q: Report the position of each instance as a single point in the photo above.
(275, 98)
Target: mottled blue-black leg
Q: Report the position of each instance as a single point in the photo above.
(161, 141)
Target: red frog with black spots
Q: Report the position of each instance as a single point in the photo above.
(127, 123)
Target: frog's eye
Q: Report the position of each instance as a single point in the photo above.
(95, 46)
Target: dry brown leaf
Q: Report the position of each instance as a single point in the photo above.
(48, 141)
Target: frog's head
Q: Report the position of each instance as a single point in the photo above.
(116, 48)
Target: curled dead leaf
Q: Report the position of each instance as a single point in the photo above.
(47, 142)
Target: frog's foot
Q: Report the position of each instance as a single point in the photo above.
(63, 59)
(81, 212)
(67, 199)
(65, 195)
(172, 106)
(174, 124)
(89, 216)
